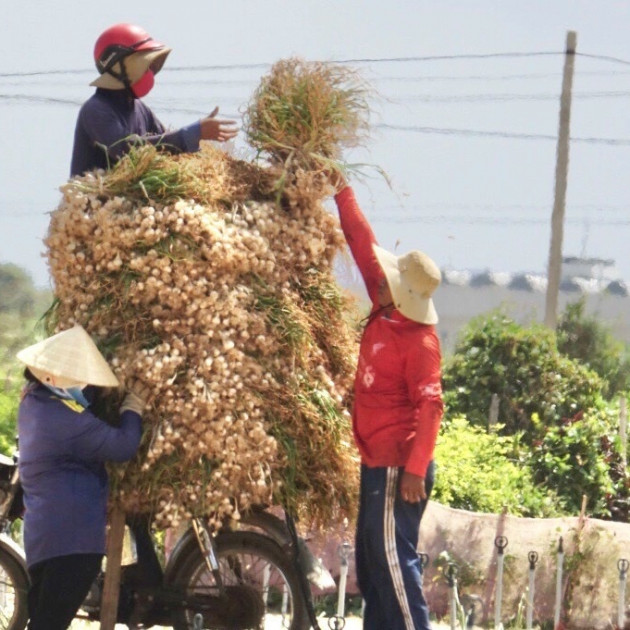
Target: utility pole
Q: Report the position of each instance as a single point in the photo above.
(562, 168)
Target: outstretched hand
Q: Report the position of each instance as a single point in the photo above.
(216, 129)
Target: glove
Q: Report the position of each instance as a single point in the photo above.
(138, 395)
(337, 180)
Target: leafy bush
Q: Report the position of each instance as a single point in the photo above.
(587, 340)
(9, 401)
(580, 456)
(495, 355)
(480, 471)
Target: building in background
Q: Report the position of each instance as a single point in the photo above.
(466, 294)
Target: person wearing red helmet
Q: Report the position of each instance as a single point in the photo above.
(114, 118)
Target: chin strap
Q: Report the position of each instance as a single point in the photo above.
(117, 54)
(368, 318)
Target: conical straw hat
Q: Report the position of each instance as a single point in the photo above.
(412, 279)
(70, 358)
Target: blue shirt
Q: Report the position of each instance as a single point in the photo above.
(111, 121)
(63, 449)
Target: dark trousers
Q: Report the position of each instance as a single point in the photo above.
(58, 588)
(389, 571)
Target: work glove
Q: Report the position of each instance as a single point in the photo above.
(337, 180)
(137, 397)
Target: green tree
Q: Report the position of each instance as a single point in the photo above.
(21, 307)
(589, 341)
(17, 292)
(523, 367)
(9, 401)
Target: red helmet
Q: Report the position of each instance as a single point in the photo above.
(117, 43)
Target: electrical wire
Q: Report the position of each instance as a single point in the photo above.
(619, 142)
(490, 97)
(358, 60)
(497, 134)
(483, 220)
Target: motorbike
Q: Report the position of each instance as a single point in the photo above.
(256, 577)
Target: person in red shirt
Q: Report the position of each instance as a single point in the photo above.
(396, 417)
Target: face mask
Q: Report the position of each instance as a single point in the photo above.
(77, 394)
(70, 393)
(144, 84)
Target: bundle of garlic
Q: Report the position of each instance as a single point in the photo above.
(191, 275)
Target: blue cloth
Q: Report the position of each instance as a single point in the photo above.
(389, 571)
(63, 450)
(111, 121)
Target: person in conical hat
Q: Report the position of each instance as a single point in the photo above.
(396, 416)
(63, 448)
(115, 118)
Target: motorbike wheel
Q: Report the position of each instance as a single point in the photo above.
(261, 584)
(13, 593)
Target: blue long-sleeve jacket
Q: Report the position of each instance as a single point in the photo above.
(63, 450)
(111, 120)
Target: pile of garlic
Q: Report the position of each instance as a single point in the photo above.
(229, 310)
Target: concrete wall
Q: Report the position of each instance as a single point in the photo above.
(457, 304)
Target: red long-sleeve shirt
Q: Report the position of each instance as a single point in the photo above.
(398, 394)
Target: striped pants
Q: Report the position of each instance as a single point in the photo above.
(387, 564)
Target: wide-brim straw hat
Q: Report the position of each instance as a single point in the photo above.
(136, 65)
(68, 359)
(412, 279)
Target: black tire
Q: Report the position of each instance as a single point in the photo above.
(13, 593)
(247, 561)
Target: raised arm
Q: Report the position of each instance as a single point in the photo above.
(360, 238)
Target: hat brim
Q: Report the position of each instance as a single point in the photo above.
(410, 303)
(136, 64)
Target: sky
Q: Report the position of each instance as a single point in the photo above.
(464, 116)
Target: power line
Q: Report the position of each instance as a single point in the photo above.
(11, 98)
(358, 60)
(493, 77)
(433, 78)
(502, 207)
(14, 98)
(494, 97)
(497, 134)
(423, 98)
(485, 220)
(451, 57)
(251, 66)
(625, 62)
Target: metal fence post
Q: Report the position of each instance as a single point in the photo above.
(559, 563)
(500, 542)
(424, 561)
(451, 577)
(532, 556)
(339, 620)
(623, 566)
